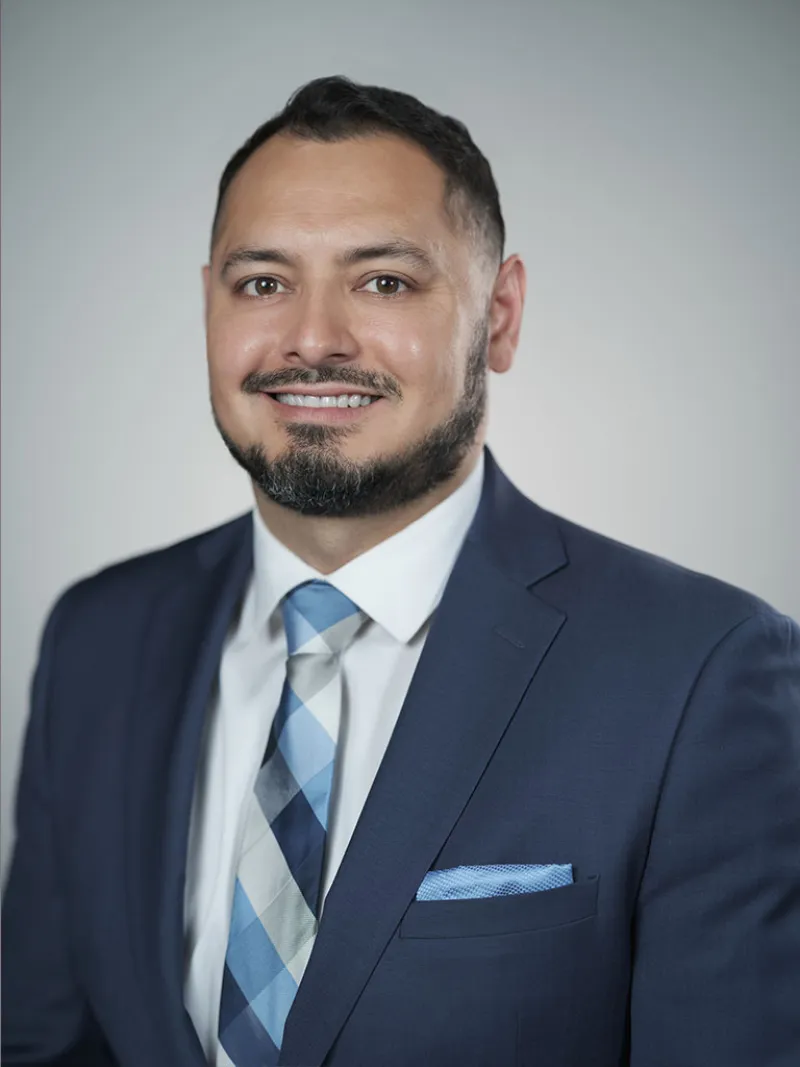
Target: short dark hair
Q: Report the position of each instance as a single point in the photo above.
(335, 109)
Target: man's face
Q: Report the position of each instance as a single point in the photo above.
(336, 272)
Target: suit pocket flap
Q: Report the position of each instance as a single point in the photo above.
(501, 915)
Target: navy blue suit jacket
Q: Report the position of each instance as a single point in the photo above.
(577, 701)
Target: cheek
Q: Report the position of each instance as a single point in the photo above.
(235, 348)
(432, 375)
(421, 360)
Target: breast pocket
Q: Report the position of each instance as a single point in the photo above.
(498, 916)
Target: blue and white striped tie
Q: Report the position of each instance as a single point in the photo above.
(278, 886)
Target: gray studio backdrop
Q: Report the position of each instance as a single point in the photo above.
(648, 160)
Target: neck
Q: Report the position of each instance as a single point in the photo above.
(328, 543)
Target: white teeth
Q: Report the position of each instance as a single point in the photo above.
(302, 400)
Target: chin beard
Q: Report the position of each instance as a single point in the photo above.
(313, 478)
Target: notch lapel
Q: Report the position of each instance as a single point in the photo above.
(487, 639)
(178, 668)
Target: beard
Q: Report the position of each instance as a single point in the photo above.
(312, 477)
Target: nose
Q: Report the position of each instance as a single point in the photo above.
(319, 331)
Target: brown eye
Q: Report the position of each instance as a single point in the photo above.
(264, 285)
(387, 285)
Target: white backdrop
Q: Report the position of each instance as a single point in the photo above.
(648, 158)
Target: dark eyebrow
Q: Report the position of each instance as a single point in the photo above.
(394, 249)
(255, 255)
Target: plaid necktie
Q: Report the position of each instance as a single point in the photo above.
(277, 894)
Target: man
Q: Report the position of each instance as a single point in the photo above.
(400, 769)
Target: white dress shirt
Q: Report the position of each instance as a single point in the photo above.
(398, 583)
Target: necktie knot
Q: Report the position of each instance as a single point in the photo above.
(319, 619)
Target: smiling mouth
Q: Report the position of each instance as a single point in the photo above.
(325, 400)
(335, 406)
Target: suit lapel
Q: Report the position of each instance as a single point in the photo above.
(178, 669)
(486, 642)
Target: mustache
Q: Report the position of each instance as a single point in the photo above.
(371, 381)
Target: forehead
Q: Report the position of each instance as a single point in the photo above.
(361, 183)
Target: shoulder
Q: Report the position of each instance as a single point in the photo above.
(131, 584)
(589, 575)
(642, 596)
(670, 634)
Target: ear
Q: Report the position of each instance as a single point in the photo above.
(206, 274)
(505, 314)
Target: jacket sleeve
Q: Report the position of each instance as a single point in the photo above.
(46, 1020)
(716, 967)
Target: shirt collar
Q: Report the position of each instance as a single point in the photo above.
(398, 583)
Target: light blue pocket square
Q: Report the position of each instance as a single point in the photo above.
(496, 880)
